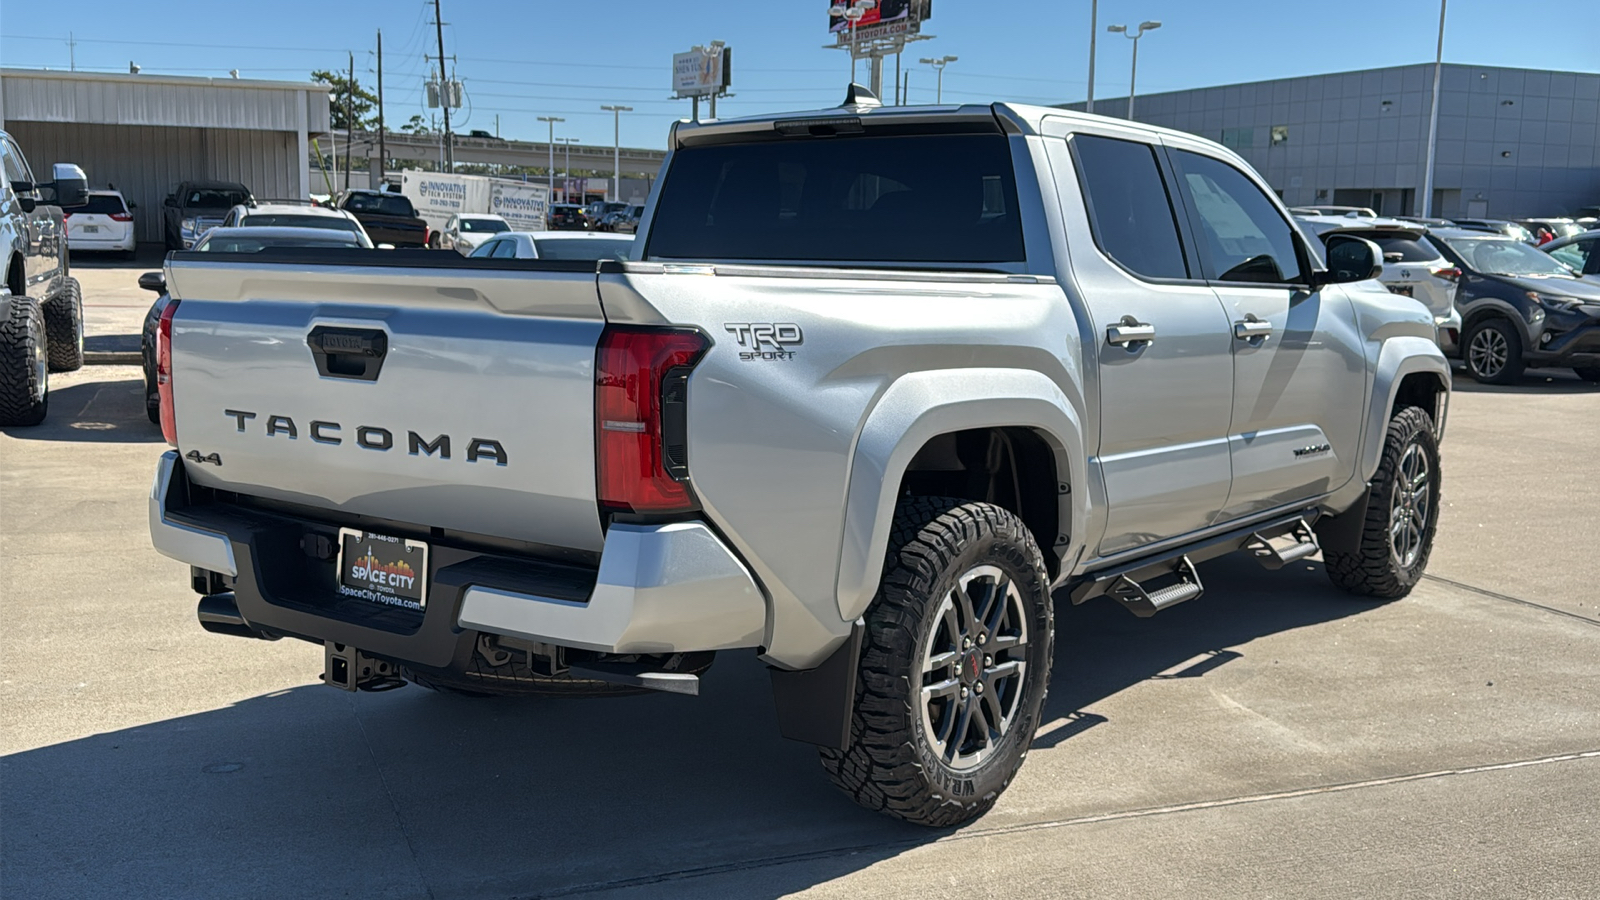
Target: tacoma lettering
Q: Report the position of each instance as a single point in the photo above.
(371, 437)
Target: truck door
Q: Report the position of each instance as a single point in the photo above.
(1299, 376)
(1164, 366)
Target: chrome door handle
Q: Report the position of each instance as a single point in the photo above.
(1252, 329)
(1130, 331)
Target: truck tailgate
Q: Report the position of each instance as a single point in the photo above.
(451, 394)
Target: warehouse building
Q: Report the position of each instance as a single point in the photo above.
(146, 133)
(1511, 142)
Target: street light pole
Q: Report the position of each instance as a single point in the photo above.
(1433, 121)
(616, 148)
(551, 172)
(1133, 78)
(938, 66)
(566, 170)
(1094, 28)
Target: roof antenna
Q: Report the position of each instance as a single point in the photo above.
(856, 95)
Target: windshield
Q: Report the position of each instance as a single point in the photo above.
(292, 220)
(216, 199)
(940, 198)
(582, 248)
(219, 241)
(484, 226)
(1505, 257)
(382, 204)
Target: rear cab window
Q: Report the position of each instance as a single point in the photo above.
(1130, 212)
(907, 199)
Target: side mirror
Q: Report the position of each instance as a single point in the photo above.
(25, 198)
(1350, 259)
(170, 201)
(154, 281)
(71, 185)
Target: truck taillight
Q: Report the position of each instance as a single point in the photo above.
(641, 383)
(169, 421)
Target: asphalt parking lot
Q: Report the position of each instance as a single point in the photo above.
(1274, 738)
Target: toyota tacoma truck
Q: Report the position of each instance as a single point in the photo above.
(41, 305)
(875, 384)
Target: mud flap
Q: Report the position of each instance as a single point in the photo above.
(815, 705)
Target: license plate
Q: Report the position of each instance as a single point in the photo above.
(383, 569)
(91, 229)
(1403, 290)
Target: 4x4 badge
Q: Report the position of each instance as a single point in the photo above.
(194, 456)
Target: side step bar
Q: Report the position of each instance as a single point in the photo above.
(1275, 544)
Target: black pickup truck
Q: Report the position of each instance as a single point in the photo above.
(388, 218)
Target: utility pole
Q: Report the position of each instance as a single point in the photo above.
(1094, 28)
(383, 150)
(349, 119)
(72, 51)
(551, 172)
(616, 148)
(444, 90)
(1433, 121)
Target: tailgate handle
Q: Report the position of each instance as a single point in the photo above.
(354, 353)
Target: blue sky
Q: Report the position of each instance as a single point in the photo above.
(539, 57)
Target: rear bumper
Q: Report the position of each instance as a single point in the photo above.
(126, 242)
(1447, 331)
(658, 588)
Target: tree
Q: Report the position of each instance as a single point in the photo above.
(417, 125)
(363, 103)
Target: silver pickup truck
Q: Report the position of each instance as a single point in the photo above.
(873, 385)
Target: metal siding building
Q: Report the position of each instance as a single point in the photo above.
(1511, 142)
(145, 134)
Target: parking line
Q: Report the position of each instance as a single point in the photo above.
(1509, 599)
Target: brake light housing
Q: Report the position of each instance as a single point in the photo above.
(169, 420)
(641, 418)
(122, 217)
(1449, 273)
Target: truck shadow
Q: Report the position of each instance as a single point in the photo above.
(314, 792)
(100, 412)
(1533, 381)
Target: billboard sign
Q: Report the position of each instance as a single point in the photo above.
(889, 18)
(701, 72)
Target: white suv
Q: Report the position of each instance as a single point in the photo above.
(1411, 266)
(294, 214)
(105, 224)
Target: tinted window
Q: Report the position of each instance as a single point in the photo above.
(15, 171)
(582, 248)
(292, 220)
(486, 249)
(216, 199)
(1241, 234)
(1128, 206)
(102, 204)
(901, 199)
(484, 226)
(1410, 249)
(221, 242)
(505, 250)
(382, 204)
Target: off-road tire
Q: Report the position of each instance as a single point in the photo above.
(24, 389)
(892, 764)
(1590, 374)
(1509, 372)
(1376, 569)
(63, 322)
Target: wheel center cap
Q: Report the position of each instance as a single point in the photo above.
(971, 667)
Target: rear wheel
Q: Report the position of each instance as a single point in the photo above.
(1402, 513)
(954, 665)
(1493, 351)
(24, 364)
(63, 322)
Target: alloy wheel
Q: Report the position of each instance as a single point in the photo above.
(1488, 352)
(41, 360)
(1409, 507)
(973, 667)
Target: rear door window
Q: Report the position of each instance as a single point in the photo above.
(1129, 210)
(881, 199)
(1242, 236)
(1410, 250)
(103, 204)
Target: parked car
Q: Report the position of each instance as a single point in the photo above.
(628, 221)
(861, 435)
(1430, 221)
(567, 217)
(104, 223)
(195, 207)
(388, 218)
(463, 233)
(1559, 227)
(1412, 267)
(599, 209)
(1580, 252)
(554, 245)
(243, 239)
(294, 214)
(1333, 211)
(1520, 307)
(1497, 226)
(41, 305)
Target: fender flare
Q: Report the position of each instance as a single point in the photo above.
(1398, 357)
(1494, 307)
(922, 405)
